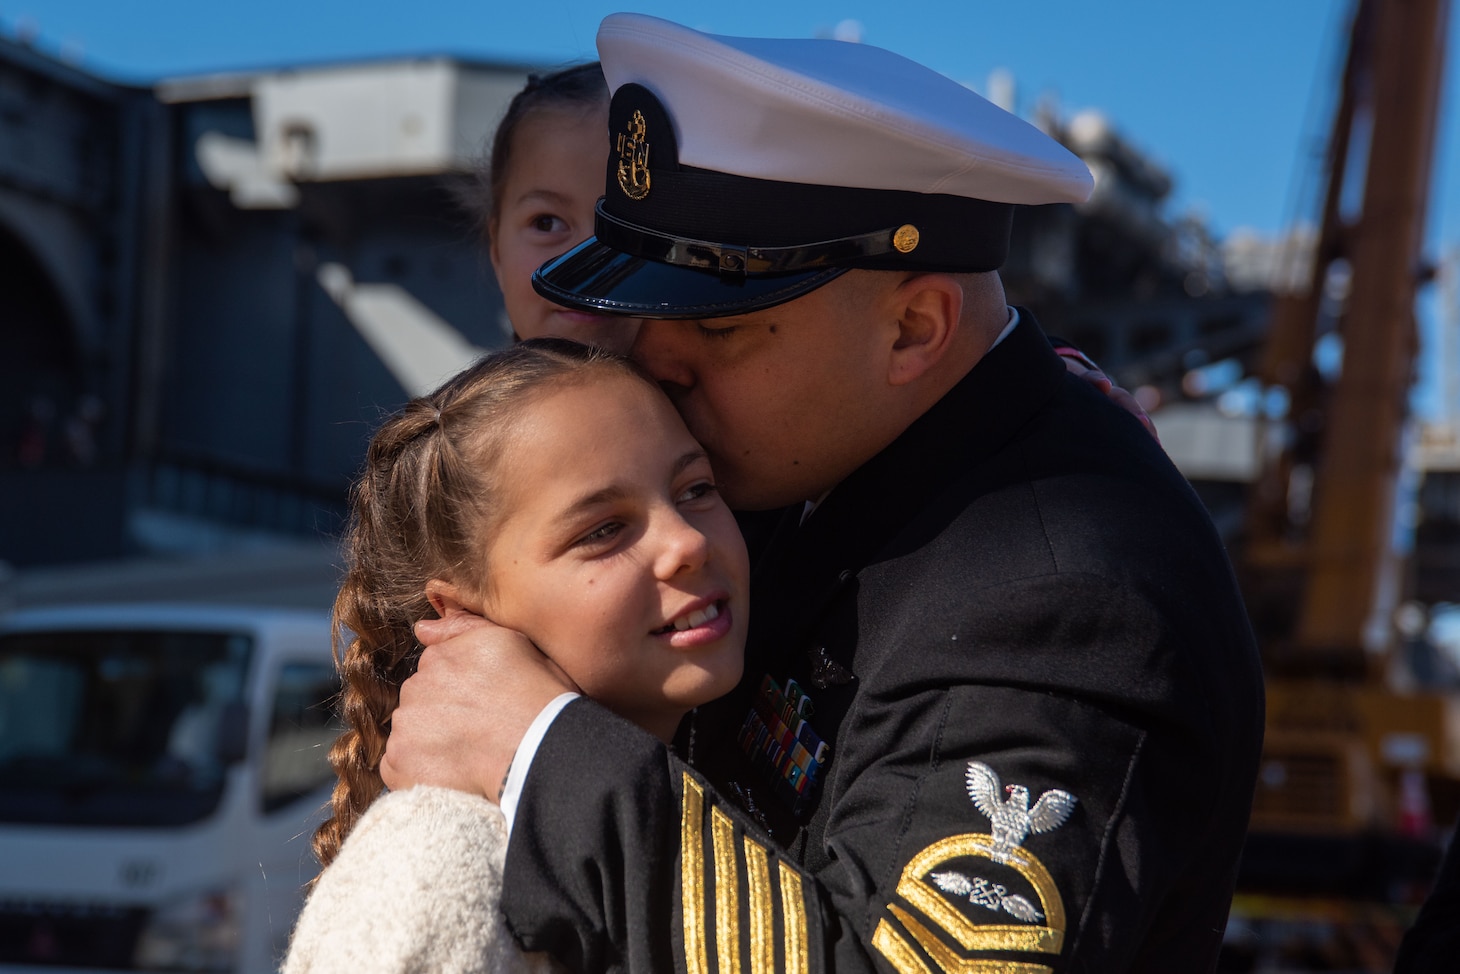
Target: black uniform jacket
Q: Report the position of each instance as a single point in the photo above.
(1002, 712)
(1432, 945)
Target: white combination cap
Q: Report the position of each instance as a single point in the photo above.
(744, 172)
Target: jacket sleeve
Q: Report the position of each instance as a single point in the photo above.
(623, 859)
(978, 816)
(415, 888)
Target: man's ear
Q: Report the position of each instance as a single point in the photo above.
(447, 597)
(927, 323)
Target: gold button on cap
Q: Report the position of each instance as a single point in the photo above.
(905, 239)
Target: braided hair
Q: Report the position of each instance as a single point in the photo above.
(422, 509)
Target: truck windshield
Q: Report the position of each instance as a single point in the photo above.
(116, 728)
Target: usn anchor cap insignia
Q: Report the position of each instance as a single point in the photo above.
(633, 158)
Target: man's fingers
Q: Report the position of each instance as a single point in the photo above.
(388, 772)
(454, 623)
(462, 715)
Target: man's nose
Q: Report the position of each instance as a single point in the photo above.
(660, 349)
(618, 335)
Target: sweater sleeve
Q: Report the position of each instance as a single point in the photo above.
(417, 886)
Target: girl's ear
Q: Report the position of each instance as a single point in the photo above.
(447, 597)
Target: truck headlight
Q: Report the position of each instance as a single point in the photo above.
(197, 932)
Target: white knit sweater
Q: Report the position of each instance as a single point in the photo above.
(417, 887)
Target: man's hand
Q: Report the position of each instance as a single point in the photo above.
(462, 715)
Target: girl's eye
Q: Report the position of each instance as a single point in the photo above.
(599, 534)
(694, 492)
(547, 223)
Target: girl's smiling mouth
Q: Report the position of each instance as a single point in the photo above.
(705, 622)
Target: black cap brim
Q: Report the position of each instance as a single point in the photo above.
(595, 277)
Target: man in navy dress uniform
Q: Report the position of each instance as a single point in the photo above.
(1002, 707)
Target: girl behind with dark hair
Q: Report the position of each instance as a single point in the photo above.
(536, 197)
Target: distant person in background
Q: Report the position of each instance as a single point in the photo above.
(551, 487)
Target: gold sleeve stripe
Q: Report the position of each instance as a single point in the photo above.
(762, 932)
(793, 913)
(692, 876)
(727, 895)
(945, 958)
(898, 952)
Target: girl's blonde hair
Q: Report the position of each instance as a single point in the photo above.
(420, 510)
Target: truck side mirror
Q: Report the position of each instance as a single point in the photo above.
(233, 733)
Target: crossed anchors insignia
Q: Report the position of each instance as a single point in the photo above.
(1012, 819)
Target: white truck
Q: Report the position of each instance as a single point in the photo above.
(162, 768)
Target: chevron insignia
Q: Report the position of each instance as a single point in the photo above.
(967, 902)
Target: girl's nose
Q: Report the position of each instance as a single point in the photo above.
(683, 547)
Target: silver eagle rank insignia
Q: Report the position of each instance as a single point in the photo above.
(1012, 819)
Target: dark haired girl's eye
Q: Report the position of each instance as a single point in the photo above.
(547, 223)
(695, 491)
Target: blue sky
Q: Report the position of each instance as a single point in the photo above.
(1230, 96)
(1233, 97)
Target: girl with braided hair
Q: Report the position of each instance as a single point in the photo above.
(553, 489)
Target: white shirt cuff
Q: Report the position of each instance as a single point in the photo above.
(526, 751)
